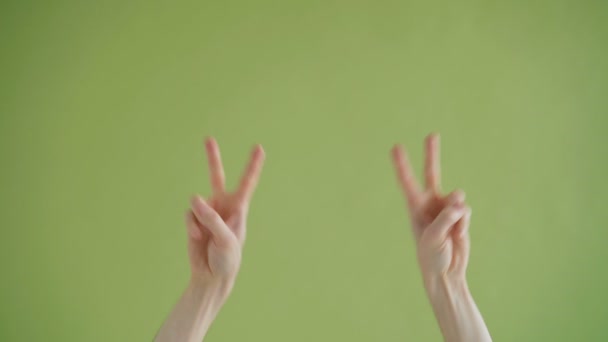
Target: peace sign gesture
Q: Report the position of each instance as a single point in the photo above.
(217, 225)
(440, 222)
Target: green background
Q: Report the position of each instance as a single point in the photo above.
(104, 106)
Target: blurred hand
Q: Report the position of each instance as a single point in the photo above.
(216, 233)
(440, 222)
(217, 225)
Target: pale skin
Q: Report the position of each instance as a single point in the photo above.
(440, 225)
(216, 229)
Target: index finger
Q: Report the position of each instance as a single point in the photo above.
(251, 176)
(405, 175)
(216, 169)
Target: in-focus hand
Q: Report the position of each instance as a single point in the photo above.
(217, 225)
(440, 222)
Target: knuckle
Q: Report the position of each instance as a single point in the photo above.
(452, 213)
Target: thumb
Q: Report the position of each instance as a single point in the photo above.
(211, 220)
(447, 218)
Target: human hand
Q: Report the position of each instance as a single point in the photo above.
(440, 222)
(217, 226)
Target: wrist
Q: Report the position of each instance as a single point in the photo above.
(448, 295)
(212, 291)
(446, 288)
(456, 312)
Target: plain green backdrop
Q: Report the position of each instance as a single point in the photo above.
(104, 106)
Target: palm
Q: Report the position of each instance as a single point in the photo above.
(439, 223)
(431, 205)
(217, 226)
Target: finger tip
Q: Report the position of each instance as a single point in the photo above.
(196, 200)
(456, 197)
(432, 138)
(258, 150)
(398, 150)
(210, 141)
(460, 195)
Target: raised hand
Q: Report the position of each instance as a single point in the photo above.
(440, 222)
(217, 225)
(216, 233)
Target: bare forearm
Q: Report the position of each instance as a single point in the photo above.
(194, 312)
(456, 311)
